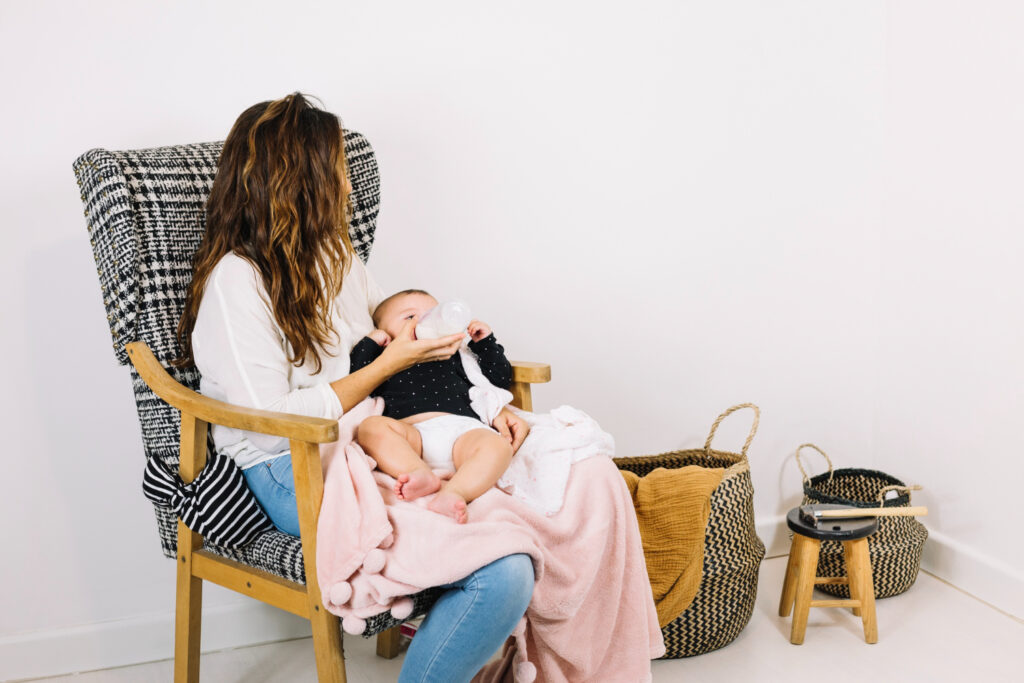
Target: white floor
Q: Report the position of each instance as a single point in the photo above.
(933, 632)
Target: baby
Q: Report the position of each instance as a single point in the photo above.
(428, 422)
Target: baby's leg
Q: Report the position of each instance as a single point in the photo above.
(481, 456)
(396, 446)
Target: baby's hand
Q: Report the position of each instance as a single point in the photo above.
(381, 337)
(478, 330)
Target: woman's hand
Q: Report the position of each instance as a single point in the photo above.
(405, 351)
(512, 427)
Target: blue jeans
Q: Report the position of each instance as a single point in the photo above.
(469, 622)
(466, 625)
(273, 485)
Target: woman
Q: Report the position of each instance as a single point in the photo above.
(278, 299)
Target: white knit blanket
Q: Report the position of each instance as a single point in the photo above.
(539, 472)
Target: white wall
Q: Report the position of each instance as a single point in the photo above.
(680, 207)
(950, 387)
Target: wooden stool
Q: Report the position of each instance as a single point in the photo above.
(801, 571)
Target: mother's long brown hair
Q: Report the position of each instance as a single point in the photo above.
(280, 202)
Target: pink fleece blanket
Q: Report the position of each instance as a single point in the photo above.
(592, 615)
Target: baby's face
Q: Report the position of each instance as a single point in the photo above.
(402, 308)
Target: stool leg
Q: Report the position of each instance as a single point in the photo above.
(865, 588)
(789, 581)
(852, 585)
(807, 567)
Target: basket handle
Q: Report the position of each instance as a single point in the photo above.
(801, 465)
(896, 487)
(730, 411)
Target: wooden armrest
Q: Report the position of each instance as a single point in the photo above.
(295, 427)
(530, 373)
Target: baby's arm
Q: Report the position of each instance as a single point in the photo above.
(493, 363)
(381, 337)
(367, 350)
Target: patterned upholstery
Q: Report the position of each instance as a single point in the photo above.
(145, 214)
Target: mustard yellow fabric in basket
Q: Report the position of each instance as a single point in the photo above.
(672, 506)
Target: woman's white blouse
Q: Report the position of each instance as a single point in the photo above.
(243, 356)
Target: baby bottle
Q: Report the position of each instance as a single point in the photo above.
(444, 319)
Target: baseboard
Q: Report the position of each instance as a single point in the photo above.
(150, 638)
(147, 638)
(975, 573)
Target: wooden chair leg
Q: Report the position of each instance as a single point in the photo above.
(852, 585)
(328, 646)
(389, 643)
(188, 611)
(789, 581)
(860, 574)
(309, 489)
(807, 568)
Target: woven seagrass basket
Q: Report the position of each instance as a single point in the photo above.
(895, 549)
(732, 550)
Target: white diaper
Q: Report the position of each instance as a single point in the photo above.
(439, 435)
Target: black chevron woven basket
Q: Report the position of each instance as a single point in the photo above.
(896, 547)
(732, 550)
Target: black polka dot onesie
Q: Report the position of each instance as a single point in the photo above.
(440, 386)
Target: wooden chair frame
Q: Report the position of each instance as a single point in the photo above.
(196, 565)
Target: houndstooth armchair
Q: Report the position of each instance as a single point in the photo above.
(145, 211)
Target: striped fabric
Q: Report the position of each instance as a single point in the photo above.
(217, 504)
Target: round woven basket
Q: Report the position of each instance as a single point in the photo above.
(895, 549)
(732, 550)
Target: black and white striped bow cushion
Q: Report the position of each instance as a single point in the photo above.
(217, 504)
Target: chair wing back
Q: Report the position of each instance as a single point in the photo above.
(145, 211)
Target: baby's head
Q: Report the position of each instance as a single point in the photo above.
(392, 313)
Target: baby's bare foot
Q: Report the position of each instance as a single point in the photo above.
(450, 504)
(415, 484)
